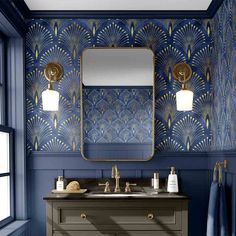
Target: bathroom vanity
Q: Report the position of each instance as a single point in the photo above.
(119, 214)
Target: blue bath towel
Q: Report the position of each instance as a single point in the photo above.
(223, 219)
(213, 210)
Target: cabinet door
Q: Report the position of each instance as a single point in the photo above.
(150, 233)
(83, 233)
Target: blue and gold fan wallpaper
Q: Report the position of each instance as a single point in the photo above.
(224, 83)
(117, 115)
(172, 41)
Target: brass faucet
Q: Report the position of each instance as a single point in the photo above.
(116, 175)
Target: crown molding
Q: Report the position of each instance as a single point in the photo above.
(209, 13)
(13, 16)
(213, 8)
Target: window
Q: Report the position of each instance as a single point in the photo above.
(3, 111)
(6, 144)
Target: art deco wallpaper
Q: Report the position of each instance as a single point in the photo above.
(172, 41)
(224, 77)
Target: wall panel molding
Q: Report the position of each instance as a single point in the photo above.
(182, 160)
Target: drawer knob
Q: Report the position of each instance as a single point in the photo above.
(150, 216)
(83, 216)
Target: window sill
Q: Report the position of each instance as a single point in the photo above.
(14, 228)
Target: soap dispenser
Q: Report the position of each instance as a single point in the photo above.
(60, 183)
(172, 185)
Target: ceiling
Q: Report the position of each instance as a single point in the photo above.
(118, 5)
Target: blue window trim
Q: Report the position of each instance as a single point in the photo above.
(3, 74)
(11, 218)
(13, 29)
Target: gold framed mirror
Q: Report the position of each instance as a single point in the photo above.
(117, 93)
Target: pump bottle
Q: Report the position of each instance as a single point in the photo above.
(172, 185)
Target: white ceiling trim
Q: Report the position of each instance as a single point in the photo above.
(118, 5)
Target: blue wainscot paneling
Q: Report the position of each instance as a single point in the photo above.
(194, 172)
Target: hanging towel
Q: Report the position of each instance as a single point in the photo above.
(223, 219)
(213, 210)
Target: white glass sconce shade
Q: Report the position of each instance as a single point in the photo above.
(184, 100)
(50, 99)
(53, 72)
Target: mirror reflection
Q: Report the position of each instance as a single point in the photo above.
(117, 112)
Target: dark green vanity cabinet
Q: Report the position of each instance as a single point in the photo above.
(117, 217)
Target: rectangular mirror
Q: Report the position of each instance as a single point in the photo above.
(117, 104)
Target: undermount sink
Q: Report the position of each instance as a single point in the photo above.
(134, 194)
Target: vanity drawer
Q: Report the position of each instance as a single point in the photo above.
(122, 215)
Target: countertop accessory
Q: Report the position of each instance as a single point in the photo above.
(69, 191)
(172, 185)
(60, 183)
(73, 185)
(156, 180)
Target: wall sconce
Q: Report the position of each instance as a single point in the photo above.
(53, 72)
(184, 98)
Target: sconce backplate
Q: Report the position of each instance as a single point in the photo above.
(53, 71)
(182, 72)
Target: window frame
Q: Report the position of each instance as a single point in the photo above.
(4, 126)
(10, 131)
(3, 80)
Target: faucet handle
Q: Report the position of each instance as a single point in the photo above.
(127, 188)
(107, 187)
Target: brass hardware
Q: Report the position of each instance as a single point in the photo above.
(115, 174)
(53, 72)
(219, 166)
(83, 216)
(150, 216)
(127, 188)
(99, 159)
(182, 72)
(223, 164)
(107, 187)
